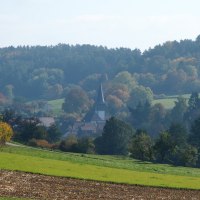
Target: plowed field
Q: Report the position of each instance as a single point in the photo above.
(34, 186)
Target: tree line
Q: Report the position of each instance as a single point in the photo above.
(176, 142)
(49, 71)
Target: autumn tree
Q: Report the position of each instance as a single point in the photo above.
(6, 133)
(76, 101)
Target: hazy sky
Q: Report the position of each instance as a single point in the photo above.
(112, 23)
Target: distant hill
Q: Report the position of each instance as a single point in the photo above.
(34, 72)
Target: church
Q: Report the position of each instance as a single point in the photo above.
(94, 121)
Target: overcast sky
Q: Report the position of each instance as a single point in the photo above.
(112, 23)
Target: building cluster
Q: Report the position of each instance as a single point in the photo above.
(95, 119)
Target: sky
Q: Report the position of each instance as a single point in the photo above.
(131, 24)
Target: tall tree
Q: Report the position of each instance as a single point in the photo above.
(141, 146)
(115, 138)
(194, 138)
(53, 133)
(163, 146)
(179, 110)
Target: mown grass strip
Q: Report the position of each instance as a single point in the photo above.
(118, 162)
(92, 172)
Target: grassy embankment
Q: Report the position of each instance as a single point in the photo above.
(101, 168)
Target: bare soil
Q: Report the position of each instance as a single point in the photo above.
(34, 186)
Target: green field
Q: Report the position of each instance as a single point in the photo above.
(101, 168)
(169, 101)
(56, 106)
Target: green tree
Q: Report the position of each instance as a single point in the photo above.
(91, 82)
(8, 115)
(141, 146)
(125, 78)
(30, 128)
(157, 119)
(179, 110)
(141, 95)
(194, 137)
(163, 146)
(194, 101)
(140, 115)
(193, 110)
(171, 144)
(178, 134)
(115, 138)
(189, 156)
(53, 133)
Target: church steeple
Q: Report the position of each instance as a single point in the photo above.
(98, 111)
(100, 106)
(100, 96)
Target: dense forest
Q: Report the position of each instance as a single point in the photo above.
(47, 72)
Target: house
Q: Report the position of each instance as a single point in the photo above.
(47, 121)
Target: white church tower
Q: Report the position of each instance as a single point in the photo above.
(100, 105)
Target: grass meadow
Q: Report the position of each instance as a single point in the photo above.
(169, 101)
(56, 106)
(101, 168)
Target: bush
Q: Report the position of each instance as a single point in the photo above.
(39, 143)
(69, 144)
(86, 145)
(32, 142)
(43, 144)
(6, 133)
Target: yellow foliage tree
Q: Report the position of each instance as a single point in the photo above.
(6, 133)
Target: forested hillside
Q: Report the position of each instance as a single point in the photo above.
(46, 71)
(71, 75)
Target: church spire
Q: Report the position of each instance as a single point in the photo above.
(100, 105)
(100, 96)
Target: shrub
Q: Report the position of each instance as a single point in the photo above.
(6, 133)
(39, 143)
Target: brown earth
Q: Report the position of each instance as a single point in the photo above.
(27, 185)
